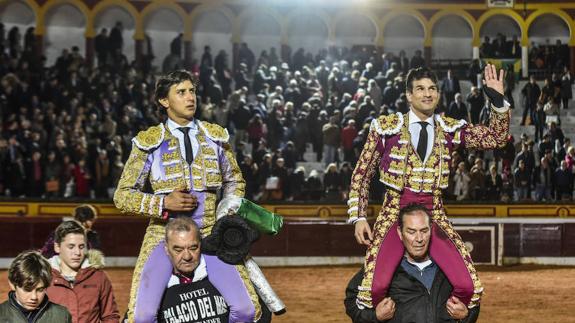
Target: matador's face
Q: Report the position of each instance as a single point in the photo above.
(180, 103)
(423, 97)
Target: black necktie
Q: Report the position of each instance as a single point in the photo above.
(187, 144)
(422, 144)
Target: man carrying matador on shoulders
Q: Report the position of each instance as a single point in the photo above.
(178, 169)
(412, 152)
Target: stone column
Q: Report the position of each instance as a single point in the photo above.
(427, 55)
(285, 53)
(139, 47)
(90, 49)
(188, 54)
(235, 56)
(524, 61)
(475, 52)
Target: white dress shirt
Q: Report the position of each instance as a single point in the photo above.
(415, 128)
(173, 127)
(200, 273)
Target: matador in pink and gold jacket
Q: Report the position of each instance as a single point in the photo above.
(409, 180)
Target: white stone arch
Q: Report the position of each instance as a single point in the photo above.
(65, 27)
(107, 18)
(307, 30)
(212, 27)
(500, 23)
(452, 38)
(355, 28)
(403, 32)
(162, 25)
(261, 30)
(17, 14)
(550, 27)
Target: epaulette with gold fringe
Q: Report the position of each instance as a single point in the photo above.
(214, 131)
(388, 125)
(450, 125)
(150, 138)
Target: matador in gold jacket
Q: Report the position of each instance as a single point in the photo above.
(412, 153)
(170, 175)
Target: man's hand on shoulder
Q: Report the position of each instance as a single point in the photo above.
(180, 201)
(385, 309)
(456, 309)
(361, 230)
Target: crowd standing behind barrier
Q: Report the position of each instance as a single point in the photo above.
(298, 125)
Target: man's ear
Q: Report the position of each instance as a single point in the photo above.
(12, 287)
(399, 233)
(408, 95)
(164, 102)
(166, 249)
(56, 247)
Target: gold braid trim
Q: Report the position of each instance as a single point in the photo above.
(361, 177)
(155, 233)
(209, 218)
(129, 197)
(214, 131)
(492, 137)
(233, 181)
(439, 217)
(387, 217)
(150, 138)
(251, 290)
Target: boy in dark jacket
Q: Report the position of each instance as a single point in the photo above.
(29, 276)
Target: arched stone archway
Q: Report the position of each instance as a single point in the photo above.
(261, 31)
(499, 24)
(19, 15)
(214, 28)
(549, 36)
(162, 26)
(452, 38)
(107, 18)
(308, 31)
(65, 27)
(355, 29)
(548, 27)
(403, 32)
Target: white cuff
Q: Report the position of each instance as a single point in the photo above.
(354, 219)
(161, 206)
(505, 108)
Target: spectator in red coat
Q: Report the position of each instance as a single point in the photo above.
(82, 179)
(348, 134)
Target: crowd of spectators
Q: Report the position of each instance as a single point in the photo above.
(543, 58)
(500, 47)
(549, 57)
(66, 129)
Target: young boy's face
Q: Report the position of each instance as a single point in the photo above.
(72, 251)
(30, 300)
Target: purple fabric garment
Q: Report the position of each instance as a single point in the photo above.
(153, 281)
(448, 258)
(388, 258)
(158, 270)
(228, 281)
(198, 214)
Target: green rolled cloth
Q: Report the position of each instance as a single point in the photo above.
(259, 218)
(263, 220)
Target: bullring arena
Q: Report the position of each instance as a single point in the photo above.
(77, 84)
(524, 263)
